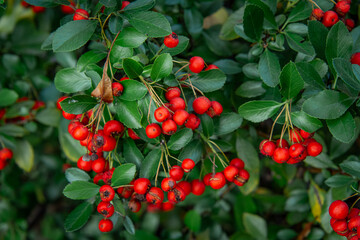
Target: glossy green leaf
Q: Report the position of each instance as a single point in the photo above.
(297, 43)
(80, 190)
(258, 111)
(69, 80)
(269, 68)
(128, 113)
(339, 181)
(78, 217)
(150, 164)
(250, 89)
(139, 5)
(92, 56)
(305, 122)
(342, 128)
(310, 75)
(78, 104)
(131, 153)
(132, 68)
(24, 155)
(193, 21)
(123, 174)
(317, 35)
(193, 151)
(180, 139)
(253, 21)
(255, 226)
(76, 174)
(291, 81)
(7, 97)
(227, 123)
(209, 81)
(193, 221)
(162, 67)
(351, 167)
(344, 70)
(130, 37)
(300, 12)
(151, 23)
(133, 90)
(207, 125)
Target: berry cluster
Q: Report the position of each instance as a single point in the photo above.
(343, 221)
(5, 156)
(331, 17)
(303, 145)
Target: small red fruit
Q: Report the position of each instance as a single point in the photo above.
(218, 181)
(211, 66)
(355, 58)
(180, 116)
(161, 114)
(141, 185)
(171, 40)
(105, 225)
(124, 4)
(188, 164)
(81, 14)
(169, 127)
(230, 172)
(237, 162)
(297, 150)
(134, 205)
(68, 116)
(283, 143)
(109, 144)
(176, 195)
(113, 128)
(281, 155)
(117, 89)
(314, 149)
(167, 184)
(177, 103)
(330, 18)
(305, 135)
(207, 178)
(215, 110)
(172, 92)
(193, 122)
(25, 4)
(267, 147)
(132, 134)
(153, 130)
(338, 209)
(167, 206)
(295, 136)
(98, 177)
(107, 193)
(354, 223)
(317, 14)
(38, 9)
(5, 154)
(186, 186)
(84, 163)
(80, 132)
(98, 165)
(340, 227)
(155, 195)
(242, 177)
(124, 78)
(106, 209)
(196, 64)
(68, 9)
(342, 8)
(176, 172)
(201, 105)
(353, 212)
(197, 187)
(350, 24)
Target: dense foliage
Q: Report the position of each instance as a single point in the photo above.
(179, 119)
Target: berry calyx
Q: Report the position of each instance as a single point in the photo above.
(155, 195)
(242, 177)
(168, 184)
(171, 40)
(317, 14)
(107, 193)
(176, 195)
(196, 64)
(215, 110)
(153, 130)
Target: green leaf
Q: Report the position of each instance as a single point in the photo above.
(129, 225)
(76, 174)
(131, 153)
(130, 37)
(118, 206)
(183, 44)
(180, 139)
(300, 12)
(123, 174)
(133, 90)
(7, 97)
(13, 130)
(24, 155)
(327, 104)
(253, 21)
(152, 24)
(132, 68)
(193, 221)
(108, 3)
(78, 104)
(162, 67)
(193, 21)
(80, 190)
(227, 30)
(321, 161)
(268, 14)
(209, 81)
(297, 43)
(342, 128)
(339, 181)
(255, 226)
(317, 34)
(291, 81)
(207, 125)
(49, 116)
(73, 35)
(150, 164)
(128, 113)
(310, 75)
(227, 123)
(228, 66)
(70, 147)
(193, 151)
(339, 44)
(140, 5)
(258, 111)
(69, 80)
(344, 70)
(351, 167)
(78, 217)
(92, 56)
(305, 122)
(118, 53)
(269, 68)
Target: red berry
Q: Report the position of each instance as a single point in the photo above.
(125, 192)
(38, 105)
(38, 9)
(106, 209)
(353, 212)
(3, 164)
(171, 40)
(161, 114)
(72, 125)
(305, 135)
(295, 136)
(230, 172)
(124, 78)
(176, 172)
(297, 150)
(354, 223)
(215, 110)
(283, 143)
(5, 154)
(107, 176)
(98, 177)
(196, 64)
(350, 24)
(177, 103)
(281, 155)
(167, 206)
(68, 9)
(294, 160)
(201, 105)
(2, 113)
(242, 177)
(25, 4)
(342, 8)
(124, 4)
(113, 128)
(81, 14)
(207, 178)
(172, 92)
(176, 195)
(180, 116)
(211, 66)
(330, 18)
(153, 130)
(141, 185)
(314, 149)
(155, 195)
(218, 181)
(109, 144)
(107, 193)
(188, 164)
(80, 132)
(134, 205)
(167, 184)
(197, 187)
(317, 14)
(98, 165)
(132, 134)
(193, 122)
(237, 162)
(355, 58)
(267, 147)
(169, 127)
(186, 186)
(117, 89)
(68, 116)
(84, 163)
(105, 225)
(340, 227)
(338, 209)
